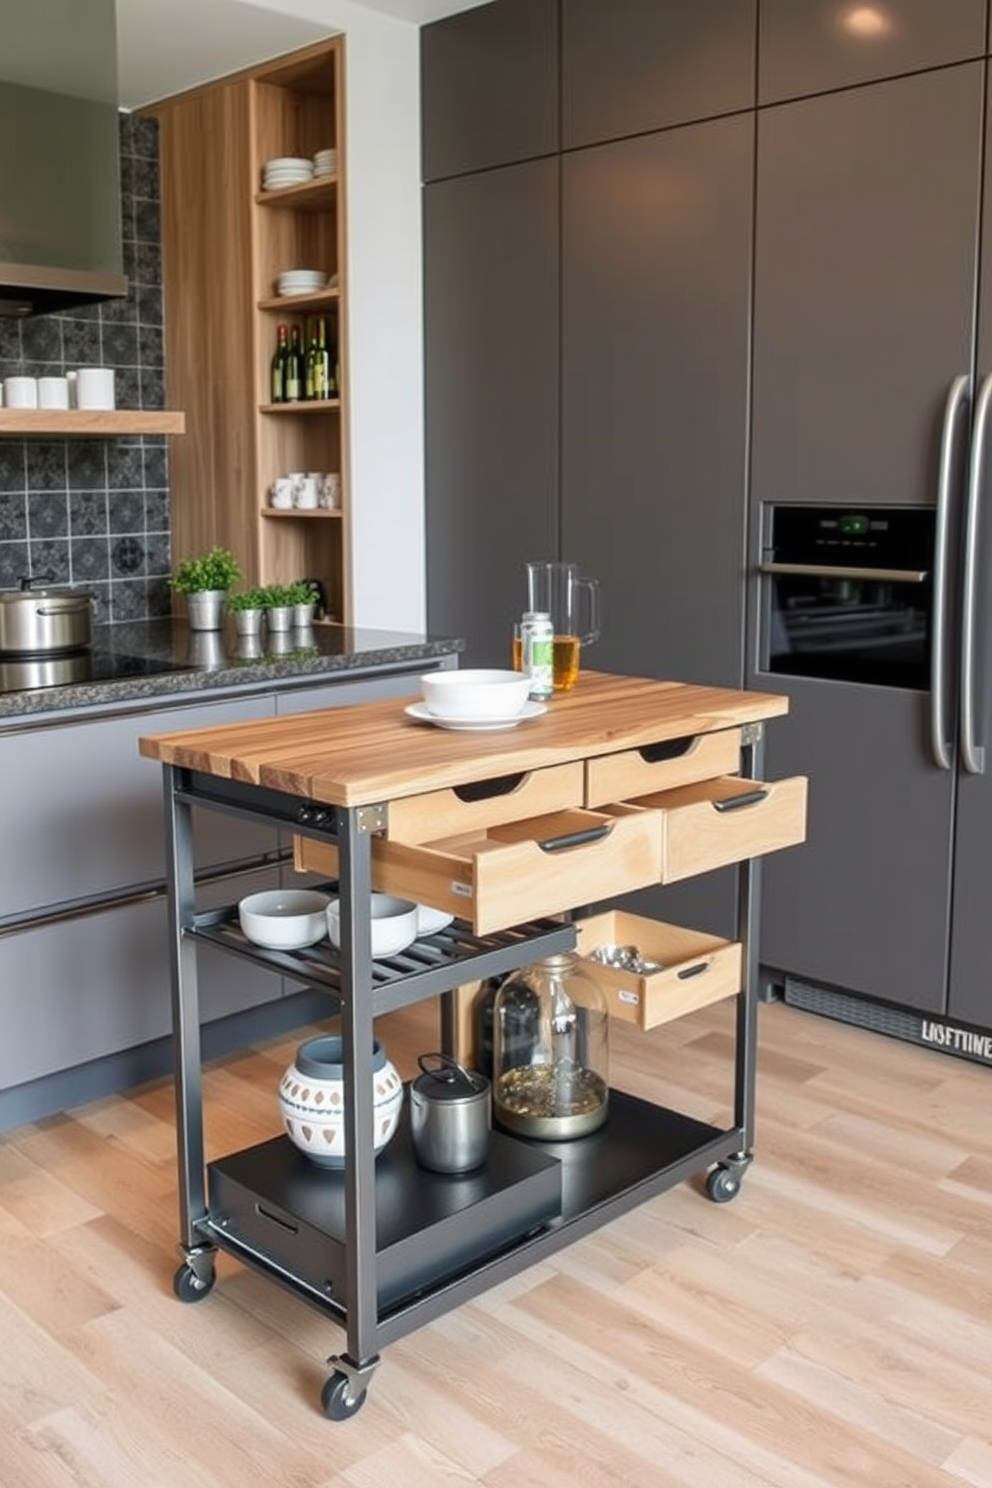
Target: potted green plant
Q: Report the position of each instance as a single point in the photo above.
(279, 606)
(248, 607)
(304, 602)
(204, 579)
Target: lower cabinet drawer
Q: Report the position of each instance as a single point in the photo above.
(717, 822)
(662, 766)
(515, 871)
(694, 969)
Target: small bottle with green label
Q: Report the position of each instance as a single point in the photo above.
(537, 650)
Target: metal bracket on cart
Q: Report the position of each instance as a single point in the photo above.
(344, 1393)
(196, 1276)
(723, 1182)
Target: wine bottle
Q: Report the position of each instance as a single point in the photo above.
(317, 361)
(280, 360)
(295, 371)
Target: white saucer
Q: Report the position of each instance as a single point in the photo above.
(422, 713)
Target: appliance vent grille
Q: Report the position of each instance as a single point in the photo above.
(935, 1034)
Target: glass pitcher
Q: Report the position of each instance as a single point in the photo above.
(573, 604)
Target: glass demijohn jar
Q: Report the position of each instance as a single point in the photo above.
(550, 1051)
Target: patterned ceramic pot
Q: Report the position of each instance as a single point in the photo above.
(311, 1099)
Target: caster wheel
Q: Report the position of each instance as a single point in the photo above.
(188, 1287)
(336, 1401)
(722, 1185)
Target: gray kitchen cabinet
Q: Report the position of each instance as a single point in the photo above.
(85, 810)
(489, 79)
(638, 65)
(824, 44)
(871, 260)
(864, 281)
(491, 282)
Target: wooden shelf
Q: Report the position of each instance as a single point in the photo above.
(326, 299)
(304, 514)
(304, 405)
(86, 423)
(315, 195)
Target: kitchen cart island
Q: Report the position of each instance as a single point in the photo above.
(622, 783)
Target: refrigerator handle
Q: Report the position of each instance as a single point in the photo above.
(939, 742)
(972, 753)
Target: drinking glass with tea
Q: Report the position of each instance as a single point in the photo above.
(572, 601)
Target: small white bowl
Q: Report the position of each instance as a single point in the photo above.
(475, 694)
(430, 920)
(284, 919)
(394, 924)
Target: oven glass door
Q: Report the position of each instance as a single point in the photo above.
(848, 595)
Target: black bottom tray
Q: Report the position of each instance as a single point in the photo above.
(431, 1227)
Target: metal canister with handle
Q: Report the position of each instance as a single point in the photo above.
(450, 1115)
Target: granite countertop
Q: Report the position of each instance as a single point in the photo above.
(158, 659)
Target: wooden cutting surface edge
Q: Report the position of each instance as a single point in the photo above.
(370, 752)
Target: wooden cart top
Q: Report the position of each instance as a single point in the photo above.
(374, 752)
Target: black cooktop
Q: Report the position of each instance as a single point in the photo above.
(28, 673)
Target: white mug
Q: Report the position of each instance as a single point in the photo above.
(53, 392)
(20, 392)
(330, 490)
(281, 493)
(305, 495)
(95, 387)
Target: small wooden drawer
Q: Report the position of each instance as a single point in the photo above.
(716, 822)
(697, 969)
(515, 871)
(661, 766)
(485, 803)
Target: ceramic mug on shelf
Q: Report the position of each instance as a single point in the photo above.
(20, 392)
(281, 493)
(95, 387)
(305, 493)
(53, 392)
(330, 490)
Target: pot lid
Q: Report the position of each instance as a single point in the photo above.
(28, 593)
(444, 1079)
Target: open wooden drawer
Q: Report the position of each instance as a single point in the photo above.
(512, 872)
(697, 969)
(661, 767)
(716, 822)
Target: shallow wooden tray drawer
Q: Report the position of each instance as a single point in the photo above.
(717, 822)
(697, 969)
(485, 803)
(661, 766)
(516, 871)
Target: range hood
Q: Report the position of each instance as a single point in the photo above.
(60, 198)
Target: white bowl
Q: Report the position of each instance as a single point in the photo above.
(430, 920)
(394, 924)
(284, 919)
(475, 694)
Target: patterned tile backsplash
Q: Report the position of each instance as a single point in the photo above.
(95, 512)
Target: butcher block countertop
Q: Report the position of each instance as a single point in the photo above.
(373, 752)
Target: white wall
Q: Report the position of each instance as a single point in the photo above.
(384, 308)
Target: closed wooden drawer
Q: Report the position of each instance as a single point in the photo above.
(662, 766)
(515, 871)
(697, 969)
(716, 822)
(485, 803)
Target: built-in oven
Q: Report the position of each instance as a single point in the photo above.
(846, 593)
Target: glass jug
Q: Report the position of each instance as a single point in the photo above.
(550, 1051)
(573, 604)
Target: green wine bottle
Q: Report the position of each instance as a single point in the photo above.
(295, 371)
(280, 360)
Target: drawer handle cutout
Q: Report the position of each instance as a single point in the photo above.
(575, 839)
(746, 798)
(666, 749)
(486, 790)
(276, 1219)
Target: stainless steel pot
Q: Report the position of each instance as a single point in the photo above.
(40, 622)
(26, 673)
(450, 1115)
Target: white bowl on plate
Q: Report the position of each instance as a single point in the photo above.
(485, 694)
(284, 919)
(394, 924)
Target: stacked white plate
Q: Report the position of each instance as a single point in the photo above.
(286, 170)
(300, 282)
(325, 162)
